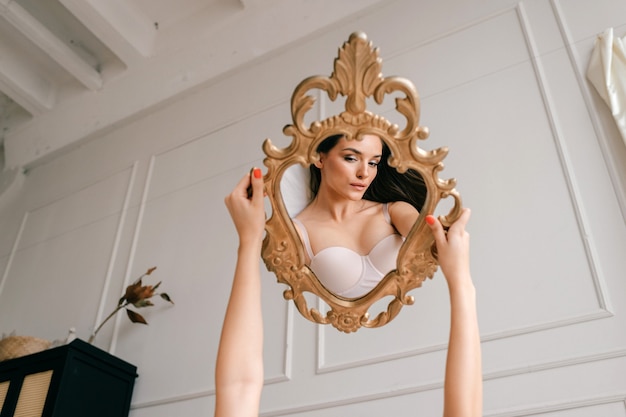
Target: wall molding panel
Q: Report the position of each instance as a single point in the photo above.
(587, 403)
(116, 246)
(16, 243)
(566, 163)
(603, 311)
(133, 248)
(48, 227)
(518, 412)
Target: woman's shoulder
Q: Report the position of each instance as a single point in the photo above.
(403, 216)
(401, 208)
(309, 216)
(400, 205)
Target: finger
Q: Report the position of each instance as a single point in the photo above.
(243, 184)
(256, 179)
(239, 190)
(459, 225)
(437, 229)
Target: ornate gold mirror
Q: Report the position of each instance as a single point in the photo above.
(357, 77)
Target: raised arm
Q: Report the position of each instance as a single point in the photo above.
(239, 368)
(463, 380)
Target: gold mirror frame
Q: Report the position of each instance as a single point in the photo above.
(356, 76)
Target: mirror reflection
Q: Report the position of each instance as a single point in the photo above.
(361, 212)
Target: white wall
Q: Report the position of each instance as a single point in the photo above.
(536, 156)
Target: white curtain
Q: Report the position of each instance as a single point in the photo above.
(607, 73)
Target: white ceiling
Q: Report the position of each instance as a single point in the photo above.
(63, 61)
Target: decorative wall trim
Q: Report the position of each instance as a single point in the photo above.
(561, 363)
(349, 401)
(116, 244)
(506, 9)
(555, 324)
(133, 249)
(618, 183)
(438, 385)
(11, 181)
(289, 344)
(174, 399)
(27, 213)
(560, 406)
(16, 243)
(322, 369)
(287, 367)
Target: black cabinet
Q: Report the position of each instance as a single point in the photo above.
(75, 380)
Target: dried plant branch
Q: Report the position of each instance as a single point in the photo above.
(137, 295)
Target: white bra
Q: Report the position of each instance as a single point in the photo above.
(347, 273)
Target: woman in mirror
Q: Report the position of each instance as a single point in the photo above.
(361, 212)
(239, 368)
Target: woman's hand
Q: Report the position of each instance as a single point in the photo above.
(453, 248)
(248, 212)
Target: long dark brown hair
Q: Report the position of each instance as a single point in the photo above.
(388, 186)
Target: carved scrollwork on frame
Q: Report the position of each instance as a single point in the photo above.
(357, 76)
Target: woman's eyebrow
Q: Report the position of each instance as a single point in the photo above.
(358, 152)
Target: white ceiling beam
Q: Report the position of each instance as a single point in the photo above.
(21, 81)
(33, 100)
(37, 33)
(126, 31)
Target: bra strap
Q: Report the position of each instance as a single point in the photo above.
(386, 212)
(305, 237)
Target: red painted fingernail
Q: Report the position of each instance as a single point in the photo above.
(430, 219)
(257, 173)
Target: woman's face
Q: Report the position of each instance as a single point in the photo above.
(350, 166)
